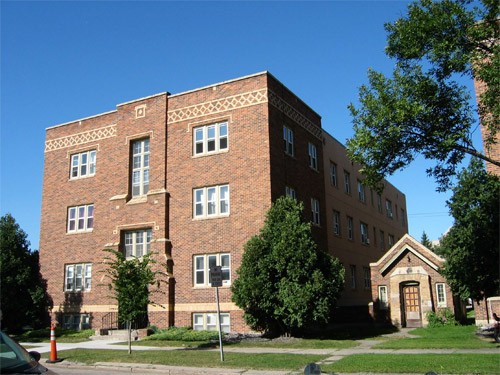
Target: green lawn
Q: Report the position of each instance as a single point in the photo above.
(449, 337)
(193, 358)
(418, 363)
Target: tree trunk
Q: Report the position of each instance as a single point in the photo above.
(129, 336)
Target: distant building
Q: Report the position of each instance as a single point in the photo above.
(190, 177)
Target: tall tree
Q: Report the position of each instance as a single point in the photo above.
(426, 241)
(423, 109)
(285, 282)
(471, 247)
(23, 298)
(129, 280)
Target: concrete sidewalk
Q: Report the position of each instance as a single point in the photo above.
(365, 347)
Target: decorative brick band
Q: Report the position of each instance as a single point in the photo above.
(295, 115)
(81, 138)
(219, 105)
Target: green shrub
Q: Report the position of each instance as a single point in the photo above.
(441, 318)
(183, 334)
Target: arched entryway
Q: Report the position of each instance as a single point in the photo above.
(410, 304)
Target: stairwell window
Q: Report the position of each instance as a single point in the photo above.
(83, 164)
(210, 139)
(211, 201)
(78, 277)
(140, 167)
(80, 218)
(137, 243)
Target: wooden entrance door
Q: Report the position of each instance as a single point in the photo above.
(411, 302)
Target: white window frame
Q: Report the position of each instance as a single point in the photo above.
(315, 212)
(350, 228)
(333, 173)
(383, 297)
(391, 241)
(361, 192)
(290, 192)
(347, 182)
(78, 277)
(83, 164)
(367, 278)
(313, 156)
(211, 139)
(139, 178)
(211, 201)
(388, 208)
(441, 294)
(80, 219)
(202, 264)
(363, 228)
(76, 322)
(288, 141)
(336, 223)
(208, 322)
(137, 243)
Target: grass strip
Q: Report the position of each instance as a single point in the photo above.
(193, 358)
(417, 363)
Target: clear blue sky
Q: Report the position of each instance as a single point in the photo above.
(65, 60)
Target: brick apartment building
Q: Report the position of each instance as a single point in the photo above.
(190, 177)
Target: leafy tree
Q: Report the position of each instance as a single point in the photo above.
(129, 279)
(285, 283)
(471, 247)
(24, 300)
(426, 241)
(423, 109)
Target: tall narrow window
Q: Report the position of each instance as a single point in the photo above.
(353, 276)
(382, 297)
(137, 243)
(361, 191)
(210, 139)
(336, 223)
(288, 140)
(347, 182)
(391, 240)
(350, 228)
(140, 167)
(333, 173)
(441, 294)
(388, 208)
(382, 240)
(83, 164)
(313, 156)
(379, 203)
(367, 278)
(364, 233)
(315, 211)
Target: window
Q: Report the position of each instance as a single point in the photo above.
(210, 139)
(367, 278)
(350, 228)
(403, 217)
(83, 164)
(76, 322)
(441, 294)
(137, 243)
(388, 208)
(391, 240)
(203, 263)
(379, 203)
(140, 167)
(336, 223)
(347, 182)
(208, 322)
(78, 277)
(211, 201)
(361, 191)
(315, 211)
(290, 192)
(364, 233)
(374, 236)
(80, 218)
(382, 297)
(313, 156)
(288, 140)
(382, 240)
(353, 276)
(333, 174)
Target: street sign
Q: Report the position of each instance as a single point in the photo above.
(216, 276)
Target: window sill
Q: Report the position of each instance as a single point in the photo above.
(139, 199)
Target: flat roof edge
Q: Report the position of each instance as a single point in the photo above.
(80, 119)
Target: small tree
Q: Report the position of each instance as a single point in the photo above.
(24, 298)
(426, 241)
(130, 279)
(471, 247)
(285, 283)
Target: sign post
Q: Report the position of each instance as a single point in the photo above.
(216, 281)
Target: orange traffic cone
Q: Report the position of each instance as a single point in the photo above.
(53, 345)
